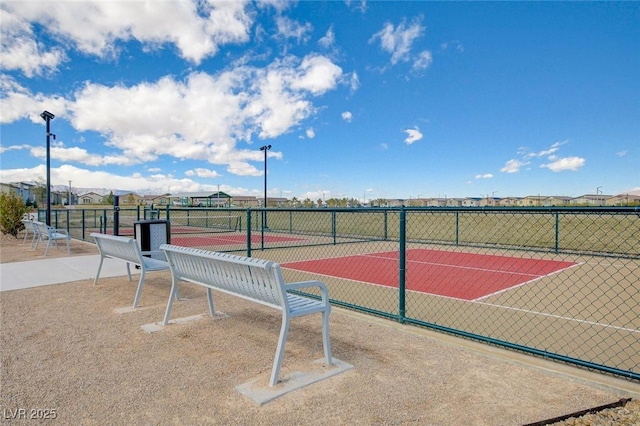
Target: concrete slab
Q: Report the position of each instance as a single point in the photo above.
(35, 273)
(297, 380)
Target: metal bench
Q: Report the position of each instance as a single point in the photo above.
(29, 228)
(42, 232)
(257, 280)
(128, 250)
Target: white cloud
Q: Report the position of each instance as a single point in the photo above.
(622, 153)
(4, 149)
(347, 116)
(484, 176)
(354, 81)
(328, 39)
(567, 163)
(454, 44)
(170, 117)
(513, 166)
(413, 135)
(310, 133)
(203, 173)
(20, 50)
(84, 178)
(317, 74)
(398, 40)
(288, 28)
(17, 102)
(423, 60)
(196, 28)
(546, 152)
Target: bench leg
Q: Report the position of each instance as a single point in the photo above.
(326, 342)
(48, 245)
(68, 245)
(277, 362)
(212, 311)
(136, 300)
(95, 280)
(172, 297)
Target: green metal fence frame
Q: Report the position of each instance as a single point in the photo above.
(252, 219)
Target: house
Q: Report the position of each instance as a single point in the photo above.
(200, 199)
(247, 201)
(24, 190)
(131, 198)
(623, 200)
(557, 201)
(90, 198)
(510, 201)
(156, 200)
(470, 202)
(533, 201)
(590, 200)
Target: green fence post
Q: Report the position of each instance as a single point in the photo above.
(557, 231)
(83, 226)
(402, 266)
(386, 226)
(249, 232)
(457, 228)
(333, 226)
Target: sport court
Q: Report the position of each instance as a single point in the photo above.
(465, 276)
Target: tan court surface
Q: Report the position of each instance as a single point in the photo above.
(64, 347)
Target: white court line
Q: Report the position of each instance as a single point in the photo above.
(537, 277)
(449, 265)
(528, 311)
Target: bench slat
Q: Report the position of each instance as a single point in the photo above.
(127, 250)
(256, 280)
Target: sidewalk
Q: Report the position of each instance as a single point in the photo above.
(28, 274)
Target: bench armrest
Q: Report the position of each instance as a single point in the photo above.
(309, 284)
(146, 252)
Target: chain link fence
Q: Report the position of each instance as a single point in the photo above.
(561, 283)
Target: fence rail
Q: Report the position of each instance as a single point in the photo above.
(562, 283)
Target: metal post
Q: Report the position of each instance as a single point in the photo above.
(402, 265)
(264, 212)
(116, 215)
(47, 116)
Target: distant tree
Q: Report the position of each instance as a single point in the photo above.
(40, 192)
(108, 199)
(12, 209)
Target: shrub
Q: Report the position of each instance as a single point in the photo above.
(12, 209)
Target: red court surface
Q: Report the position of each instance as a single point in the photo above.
(200, 240)
(466, 276)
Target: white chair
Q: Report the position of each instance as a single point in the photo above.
(28, 229)
(51, 234)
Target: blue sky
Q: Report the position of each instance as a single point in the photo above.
(358, 99)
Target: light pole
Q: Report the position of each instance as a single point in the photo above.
(47, 116)
(264, 213)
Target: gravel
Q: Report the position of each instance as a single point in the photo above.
(65, 352)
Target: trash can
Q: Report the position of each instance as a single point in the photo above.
(150, 234)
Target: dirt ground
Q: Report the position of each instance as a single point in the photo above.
(66, 353)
